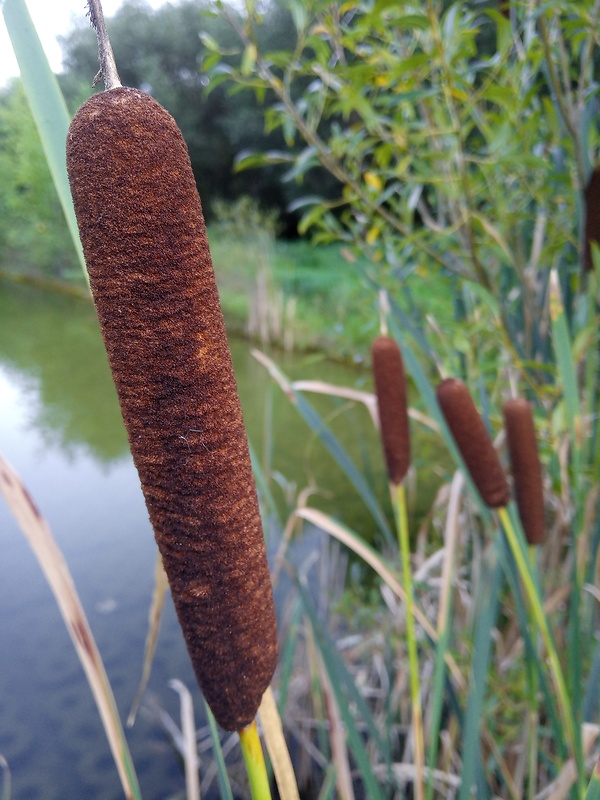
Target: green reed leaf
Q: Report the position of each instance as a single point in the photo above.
(47, 105)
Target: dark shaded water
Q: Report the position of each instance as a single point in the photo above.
(60, 428)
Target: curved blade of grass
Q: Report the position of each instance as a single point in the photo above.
(190, 748)
(593, 791)
(47, 106)
(222, 776)
(262, 486)
(50, 559)
(567, 373)
(277, 748)
(314, 421)
(161, 586)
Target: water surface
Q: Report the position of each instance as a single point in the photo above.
(61, 429)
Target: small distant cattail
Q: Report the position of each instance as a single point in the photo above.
(474, 442)
(592, 218)
(151, 274)
(390, 387)
(526, 469)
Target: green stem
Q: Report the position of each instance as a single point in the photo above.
(255, 763)
(399, 503)
(524, 567)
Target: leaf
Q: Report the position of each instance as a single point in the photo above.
(373, 180)
(248, 59)
(38, 534)
(47, 104)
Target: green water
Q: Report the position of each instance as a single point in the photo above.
(61, 429)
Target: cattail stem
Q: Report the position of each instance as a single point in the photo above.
(108, 68)
(255, 762)
(399, 504)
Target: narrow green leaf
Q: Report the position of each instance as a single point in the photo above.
(486, 623)
(47, 106)
(593, 792)
(222, 776)
(567, 372)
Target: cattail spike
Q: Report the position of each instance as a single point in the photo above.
(592, 218)
(147, 254)
(473, 441)
(526, 469)
(390, 388)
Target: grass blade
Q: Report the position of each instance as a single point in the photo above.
(55, 569)
(222, 776)
(47, 106)
(471, 761)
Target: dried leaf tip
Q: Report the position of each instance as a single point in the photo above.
(390, 388)
(473, 441)
(526, 468)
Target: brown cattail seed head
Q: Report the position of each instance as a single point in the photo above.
(146, 250)
(592, 218)
(526, 469)
(390, 388)
(474, 442)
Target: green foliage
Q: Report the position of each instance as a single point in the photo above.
(461, 138)
(33, 232)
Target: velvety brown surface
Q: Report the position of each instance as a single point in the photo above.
(145, 245)
(526, 468)
(390, 388)
(474, 442)
(592, 217)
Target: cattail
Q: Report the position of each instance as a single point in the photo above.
(526, 469)
(474, 442)
(592, 218)
(151, 275)
(390, 388)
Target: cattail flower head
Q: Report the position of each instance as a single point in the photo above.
(390, 388)
(473, 441)
(592, 218)
(145, 245)
(526, 468)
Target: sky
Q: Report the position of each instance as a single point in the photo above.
(52, 18)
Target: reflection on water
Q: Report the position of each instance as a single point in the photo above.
(52, 347)
(60, 427)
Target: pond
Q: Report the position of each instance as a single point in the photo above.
(60, 428)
